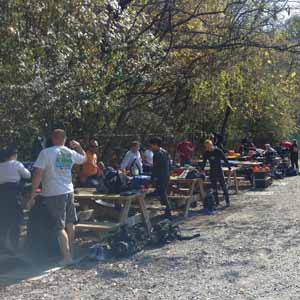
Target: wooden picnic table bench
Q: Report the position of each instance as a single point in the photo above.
(85, 197)
(231, 175)
(189, 189)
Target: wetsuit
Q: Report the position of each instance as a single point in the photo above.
(161, 175)
(215, 159)
(294, 150)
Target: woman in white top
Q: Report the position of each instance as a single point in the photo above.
(11, 170)
(11, 173)
(132, 161)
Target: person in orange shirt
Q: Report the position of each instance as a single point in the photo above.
(90, 169)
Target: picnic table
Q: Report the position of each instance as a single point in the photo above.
(187, 192)
(87, 196)
(230, 175)
(246, 164)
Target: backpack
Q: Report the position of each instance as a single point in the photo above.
(194, 174)
(164, 232)
(291, 172)
(115, 182)
(101, 187)
(278, 174)
(139, 181)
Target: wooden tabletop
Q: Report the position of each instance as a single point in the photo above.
(105, 196)
(185, 180)
(248, 163)
(225, 169)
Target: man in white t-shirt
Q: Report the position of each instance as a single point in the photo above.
(132, 160)
(53, 169)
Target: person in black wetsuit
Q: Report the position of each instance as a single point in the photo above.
(218, 140)
(215, 156)
(161, 173)
(294, 155)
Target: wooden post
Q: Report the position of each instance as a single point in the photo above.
(145, 213)
(125, 211)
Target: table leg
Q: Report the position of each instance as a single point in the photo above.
(229, 178)
(201, 188)
(236, 183)
(145, 213)
(190, 200)
(125, 211)
(187, 207)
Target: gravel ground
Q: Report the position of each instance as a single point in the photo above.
(250, 251)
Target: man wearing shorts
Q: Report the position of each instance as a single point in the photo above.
(53, 169)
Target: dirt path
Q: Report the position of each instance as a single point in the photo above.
(250, 251)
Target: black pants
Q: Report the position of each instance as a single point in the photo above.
(294, 161)
(162, 192)
(215, 178)
(11, 214)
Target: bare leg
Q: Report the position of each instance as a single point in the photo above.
(63, 241)
(70, 228)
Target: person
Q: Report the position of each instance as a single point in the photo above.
(269, 154)
(215, 156)
(246, 146)
(38, 145)
(11, 173)
(294, 155)
(53, 169)
(185, 150)
(132, 160)
(91, 170)
(217, 139)
(161, 173)
(279, 150)
(148, 161)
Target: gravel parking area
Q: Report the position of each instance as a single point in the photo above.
(249, 251)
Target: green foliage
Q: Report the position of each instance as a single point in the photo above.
(100, 68)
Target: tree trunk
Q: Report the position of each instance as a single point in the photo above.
(225, 120)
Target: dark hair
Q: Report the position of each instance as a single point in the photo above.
(155, 141)
(8, 152)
